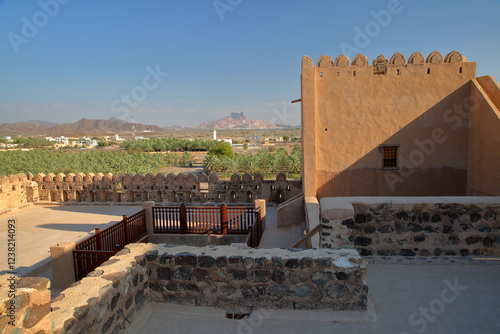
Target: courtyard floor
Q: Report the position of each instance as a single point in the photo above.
(405, 299)
(39, 227)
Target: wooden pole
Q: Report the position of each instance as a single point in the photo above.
(223, 219)
(125, 230)
(183, 217)
(98, 238)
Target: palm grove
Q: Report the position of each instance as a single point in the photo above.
(151, 156)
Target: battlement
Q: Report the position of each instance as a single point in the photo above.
(110, 178)
(17, 190)
(396, 65)
(398, 59)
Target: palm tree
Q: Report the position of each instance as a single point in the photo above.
(210, 163)
(294, 164)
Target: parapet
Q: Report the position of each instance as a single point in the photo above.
(135, 178)
(397, 59)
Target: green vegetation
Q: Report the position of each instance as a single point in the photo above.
(185, 159)
(222, 149)
(31, 142)
(169, 145)
(263, 162)
(101, 144)
(46, 161)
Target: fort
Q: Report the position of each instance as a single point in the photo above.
(400, 166)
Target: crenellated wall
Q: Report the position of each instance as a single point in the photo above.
(16, 190)
(351, 109)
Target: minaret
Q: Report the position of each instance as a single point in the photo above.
(215, 135)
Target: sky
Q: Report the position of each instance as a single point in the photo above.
(184, 62)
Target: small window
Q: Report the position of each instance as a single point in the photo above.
(390, 156)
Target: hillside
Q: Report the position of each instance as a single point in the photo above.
(82, 127)
(237, 121)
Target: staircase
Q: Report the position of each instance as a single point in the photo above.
(279, 237)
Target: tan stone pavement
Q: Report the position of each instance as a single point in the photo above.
(39, 227)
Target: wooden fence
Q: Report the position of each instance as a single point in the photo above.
(93, 251)
(204, 220)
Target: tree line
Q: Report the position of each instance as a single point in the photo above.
(221, 159)
(169, 145)
(48, 161)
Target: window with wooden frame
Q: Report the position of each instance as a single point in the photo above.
(390, 156)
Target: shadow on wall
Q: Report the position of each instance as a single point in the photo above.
(431, 156)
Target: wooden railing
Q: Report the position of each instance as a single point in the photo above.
(86, 261)
(93, 251)
(307, 238)
(203, 220)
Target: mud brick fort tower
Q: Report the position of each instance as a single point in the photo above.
(399, 127)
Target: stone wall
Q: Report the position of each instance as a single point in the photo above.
(238, 280)
(171, 188)
(416, 229)
(16, 190)
(242, 281)
(108, 299)
(24, 305)
(20, 189)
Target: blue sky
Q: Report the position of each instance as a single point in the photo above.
(209, 58)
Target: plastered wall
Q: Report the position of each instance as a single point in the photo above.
(483, 175)
(351, 108)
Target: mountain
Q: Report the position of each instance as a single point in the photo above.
(82, 127)
(27, 129)
(43, 123)
(237, 121)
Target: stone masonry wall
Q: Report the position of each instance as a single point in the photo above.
(180, 188)
(417, 230)
(239, 280)
(24, 305)
(16, 190)
(242, 281)
(20, 189)
(108, 299)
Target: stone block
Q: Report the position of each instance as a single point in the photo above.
(185, 259)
